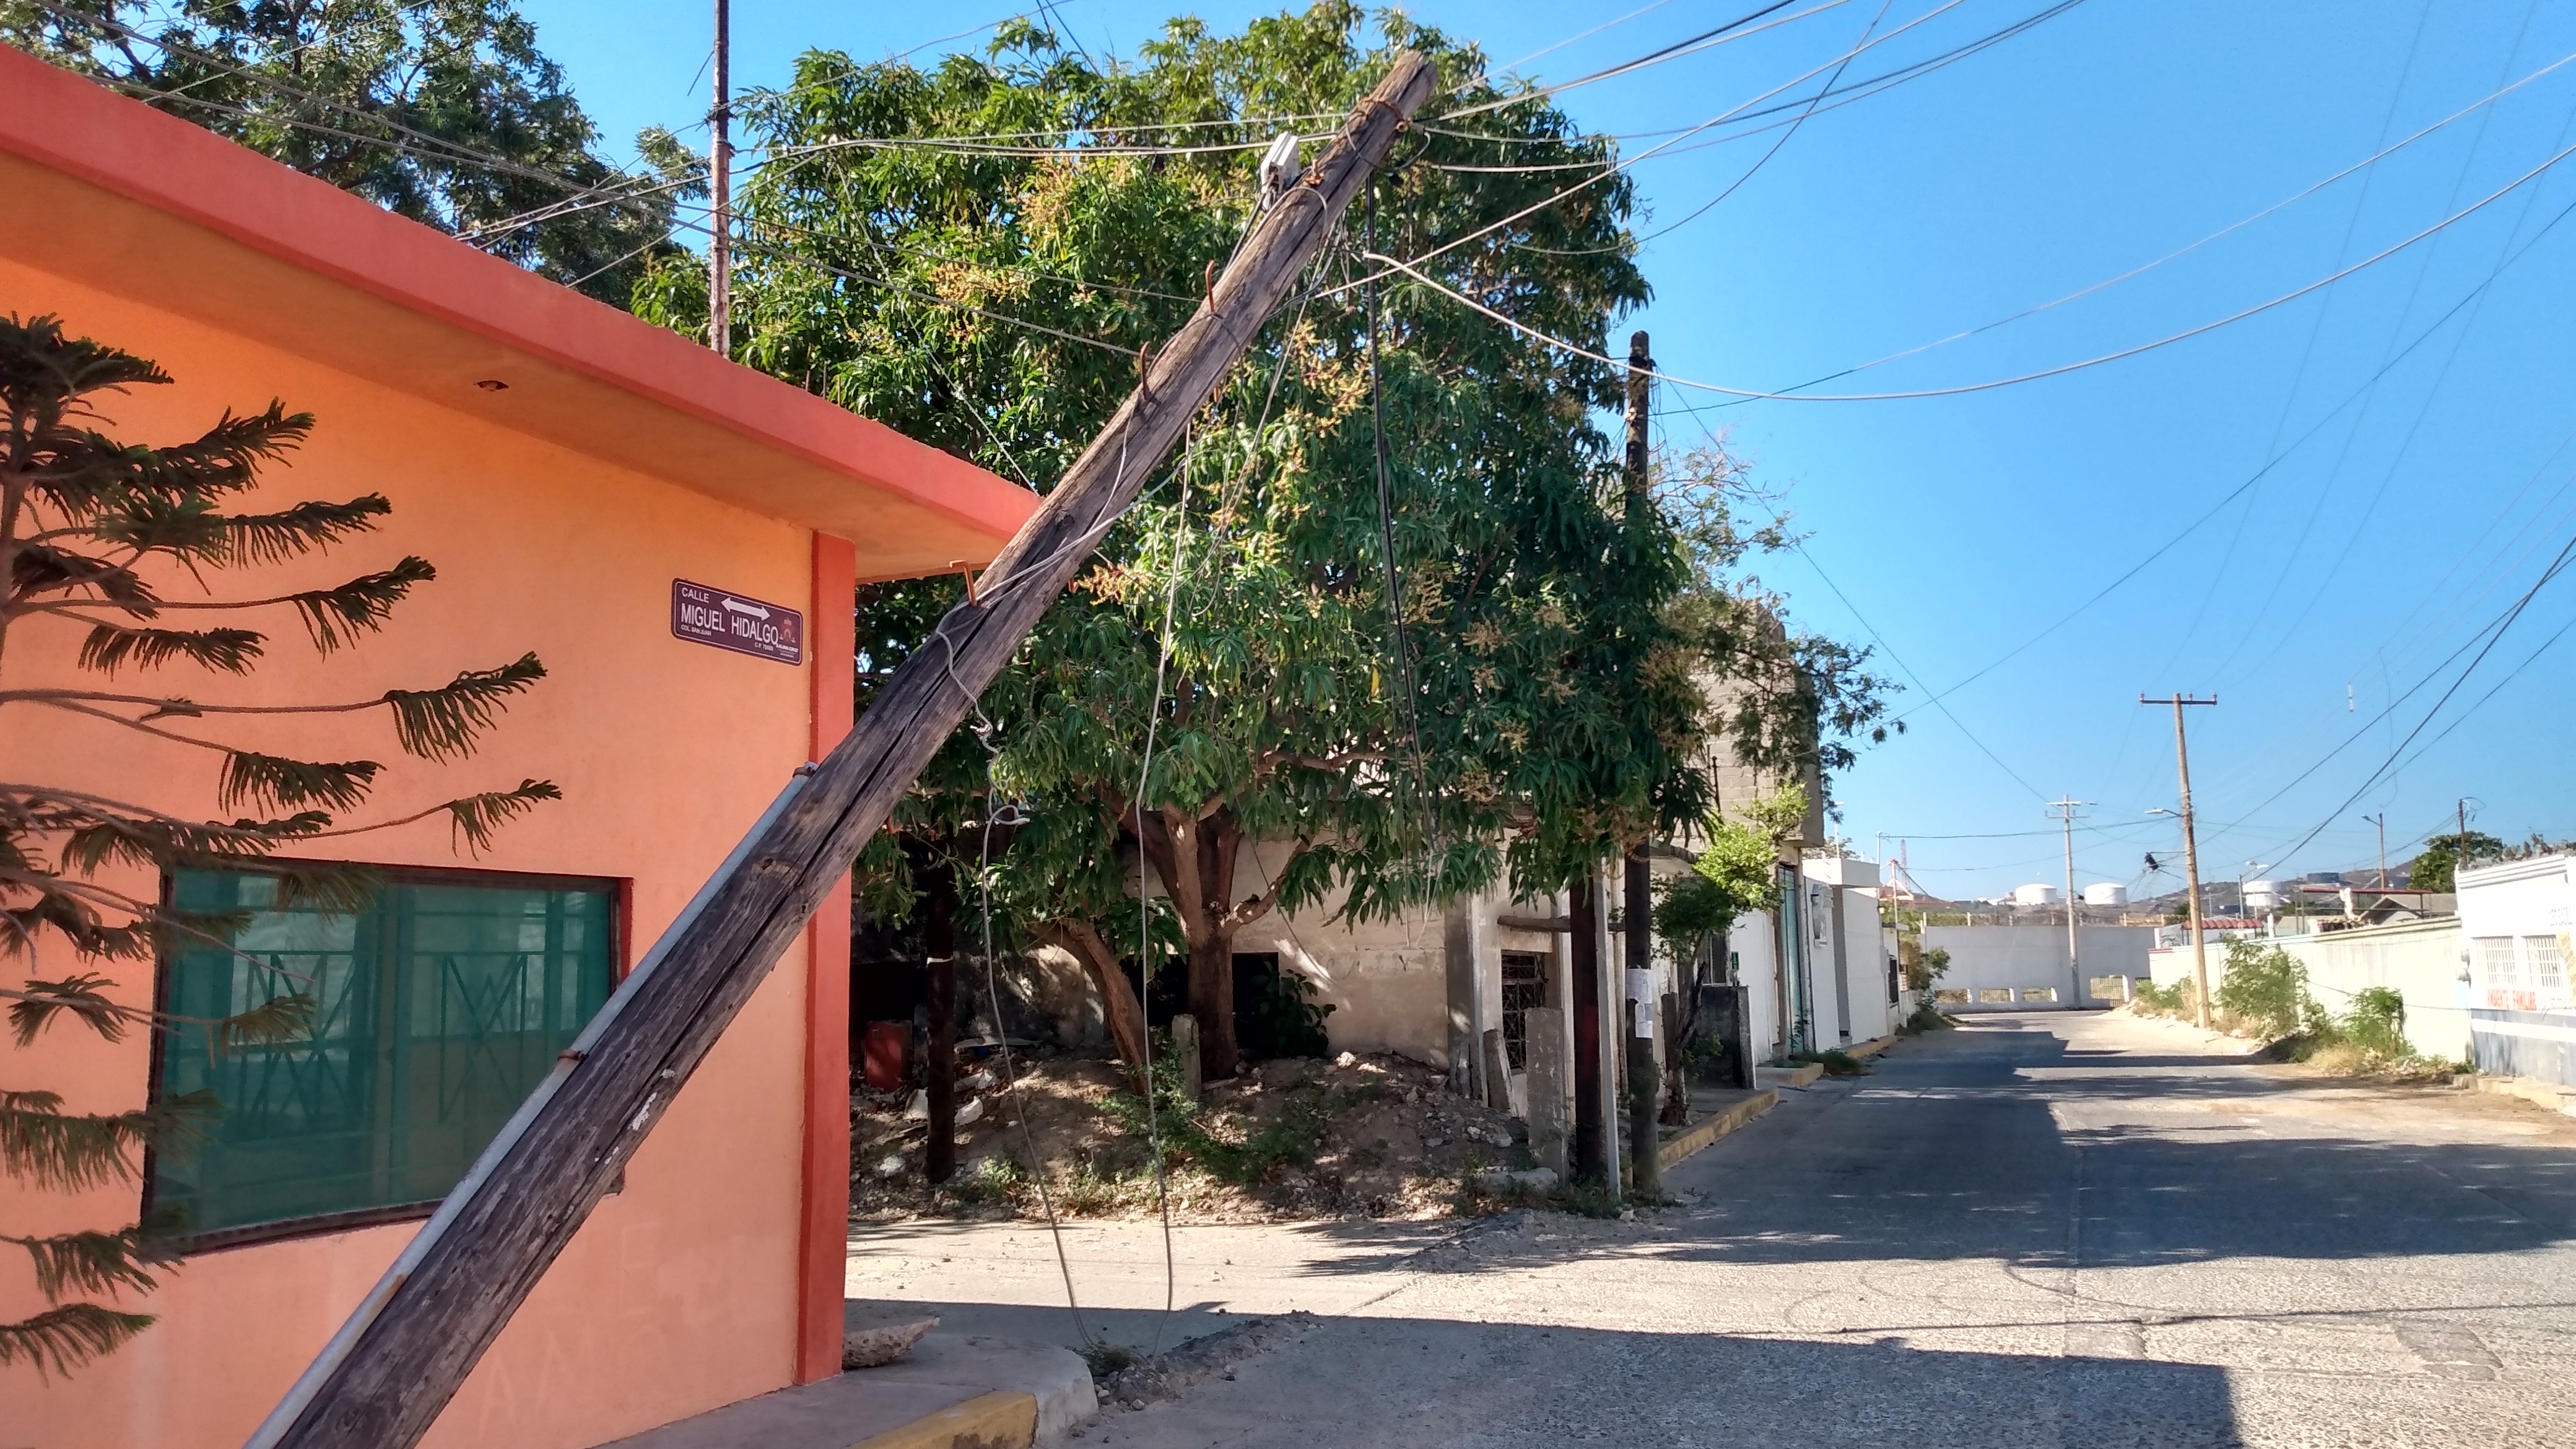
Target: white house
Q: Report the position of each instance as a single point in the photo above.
(2516, 921)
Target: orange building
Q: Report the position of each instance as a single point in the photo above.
(591, 489)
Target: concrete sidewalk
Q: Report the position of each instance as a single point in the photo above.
(1002, 1279)
(955, 1389)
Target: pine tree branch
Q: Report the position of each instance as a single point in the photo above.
(290, 533)
(73, 1152)
(96, 1262)
(333, 617)
(252, 778)
(111, 647)
(34, 1009)
(441, 724)
(59, 1340)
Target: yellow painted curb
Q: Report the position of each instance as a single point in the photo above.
(1872, 1047)
(999, 1420)
(1692, 1139)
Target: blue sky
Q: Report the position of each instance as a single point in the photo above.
(2398, 517)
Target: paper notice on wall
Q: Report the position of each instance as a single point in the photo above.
(1641, 985)
(1645, 1015)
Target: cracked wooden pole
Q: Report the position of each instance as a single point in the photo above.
(383, 1379)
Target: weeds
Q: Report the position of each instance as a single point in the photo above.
(1836, 1062)
(1108, 1358)
(1926, 1017)
(1289, 1140)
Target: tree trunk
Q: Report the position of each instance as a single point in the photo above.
(1195, 858)
(939, 998)
(1212, 1002)
(1124, 1015)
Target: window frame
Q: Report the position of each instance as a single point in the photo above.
(620, 891)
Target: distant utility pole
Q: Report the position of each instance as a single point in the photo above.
(2461, 857)
(2381, 820)
(720, 187)
(2190, 854)
(1645, 1092)
(2066, 806)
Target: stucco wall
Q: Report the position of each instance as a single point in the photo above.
(2014, 958)
(679, 1294)
(2420, 960)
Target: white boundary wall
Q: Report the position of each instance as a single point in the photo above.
(2025, 961)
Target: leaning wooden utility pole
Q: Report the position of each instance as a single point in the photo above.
(2190, 856)
(1645, 1092)
(383, 1379)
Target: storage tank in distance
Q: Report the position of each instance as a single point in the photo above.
(2106, 893)
(2035, 895)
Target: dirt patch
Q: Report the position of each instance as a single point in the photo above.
(1377, 1137)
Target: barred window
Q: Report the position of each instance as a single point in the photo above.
(2498, 970)
(2544, 969)
(438, 1008)
(1524, 986)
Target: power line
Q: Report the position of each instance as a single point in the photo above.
(2251, 479)
(1685, 46)
(2494, 635)
(1410, 269)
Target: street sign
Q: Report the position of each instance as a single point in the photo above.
(729, 621)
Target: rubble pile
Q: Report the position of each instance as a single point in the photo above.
(1295, 1138)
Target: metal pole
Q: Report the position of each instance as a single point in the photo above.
(2065, 807)
(720, 188)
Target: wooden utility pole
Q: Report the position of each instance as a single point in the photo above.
(2381, 820)
(720, 189)
(2190, 855)
(387, 1373)
(1645, 1095)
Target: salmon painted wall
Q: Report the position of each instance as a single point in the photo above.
(682, 1292)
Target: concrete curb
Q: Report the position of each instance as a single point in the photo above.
(2548, 1095)
(1004, 1419)
(1873, 1046)
(1692, 1139)
(1795, 1078)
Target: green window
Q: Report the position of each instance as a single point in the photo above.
(438, 1009)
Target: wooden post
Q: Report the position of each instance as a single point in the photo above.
(1547, 1088)
(939, 999)
(1645, 1084)
(1185, 1050)
(384, 1377)
(1591, 1149)
(1498, 1070)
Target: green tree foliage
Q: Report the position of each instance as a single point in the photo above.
(2436, 868)
(105, 548)
(443, 111)
(1556, 704)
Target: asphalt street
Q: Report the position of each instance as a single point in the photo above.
(2042, 1230)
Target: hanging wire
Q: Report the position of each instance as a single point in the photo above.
(1394, 583)
(1144, 902)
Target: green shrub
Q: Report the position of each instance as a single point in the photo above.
(2267, 989)
(2377, 1021)
(1926, 1017)
(2149, 998)
(1276, 1015)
